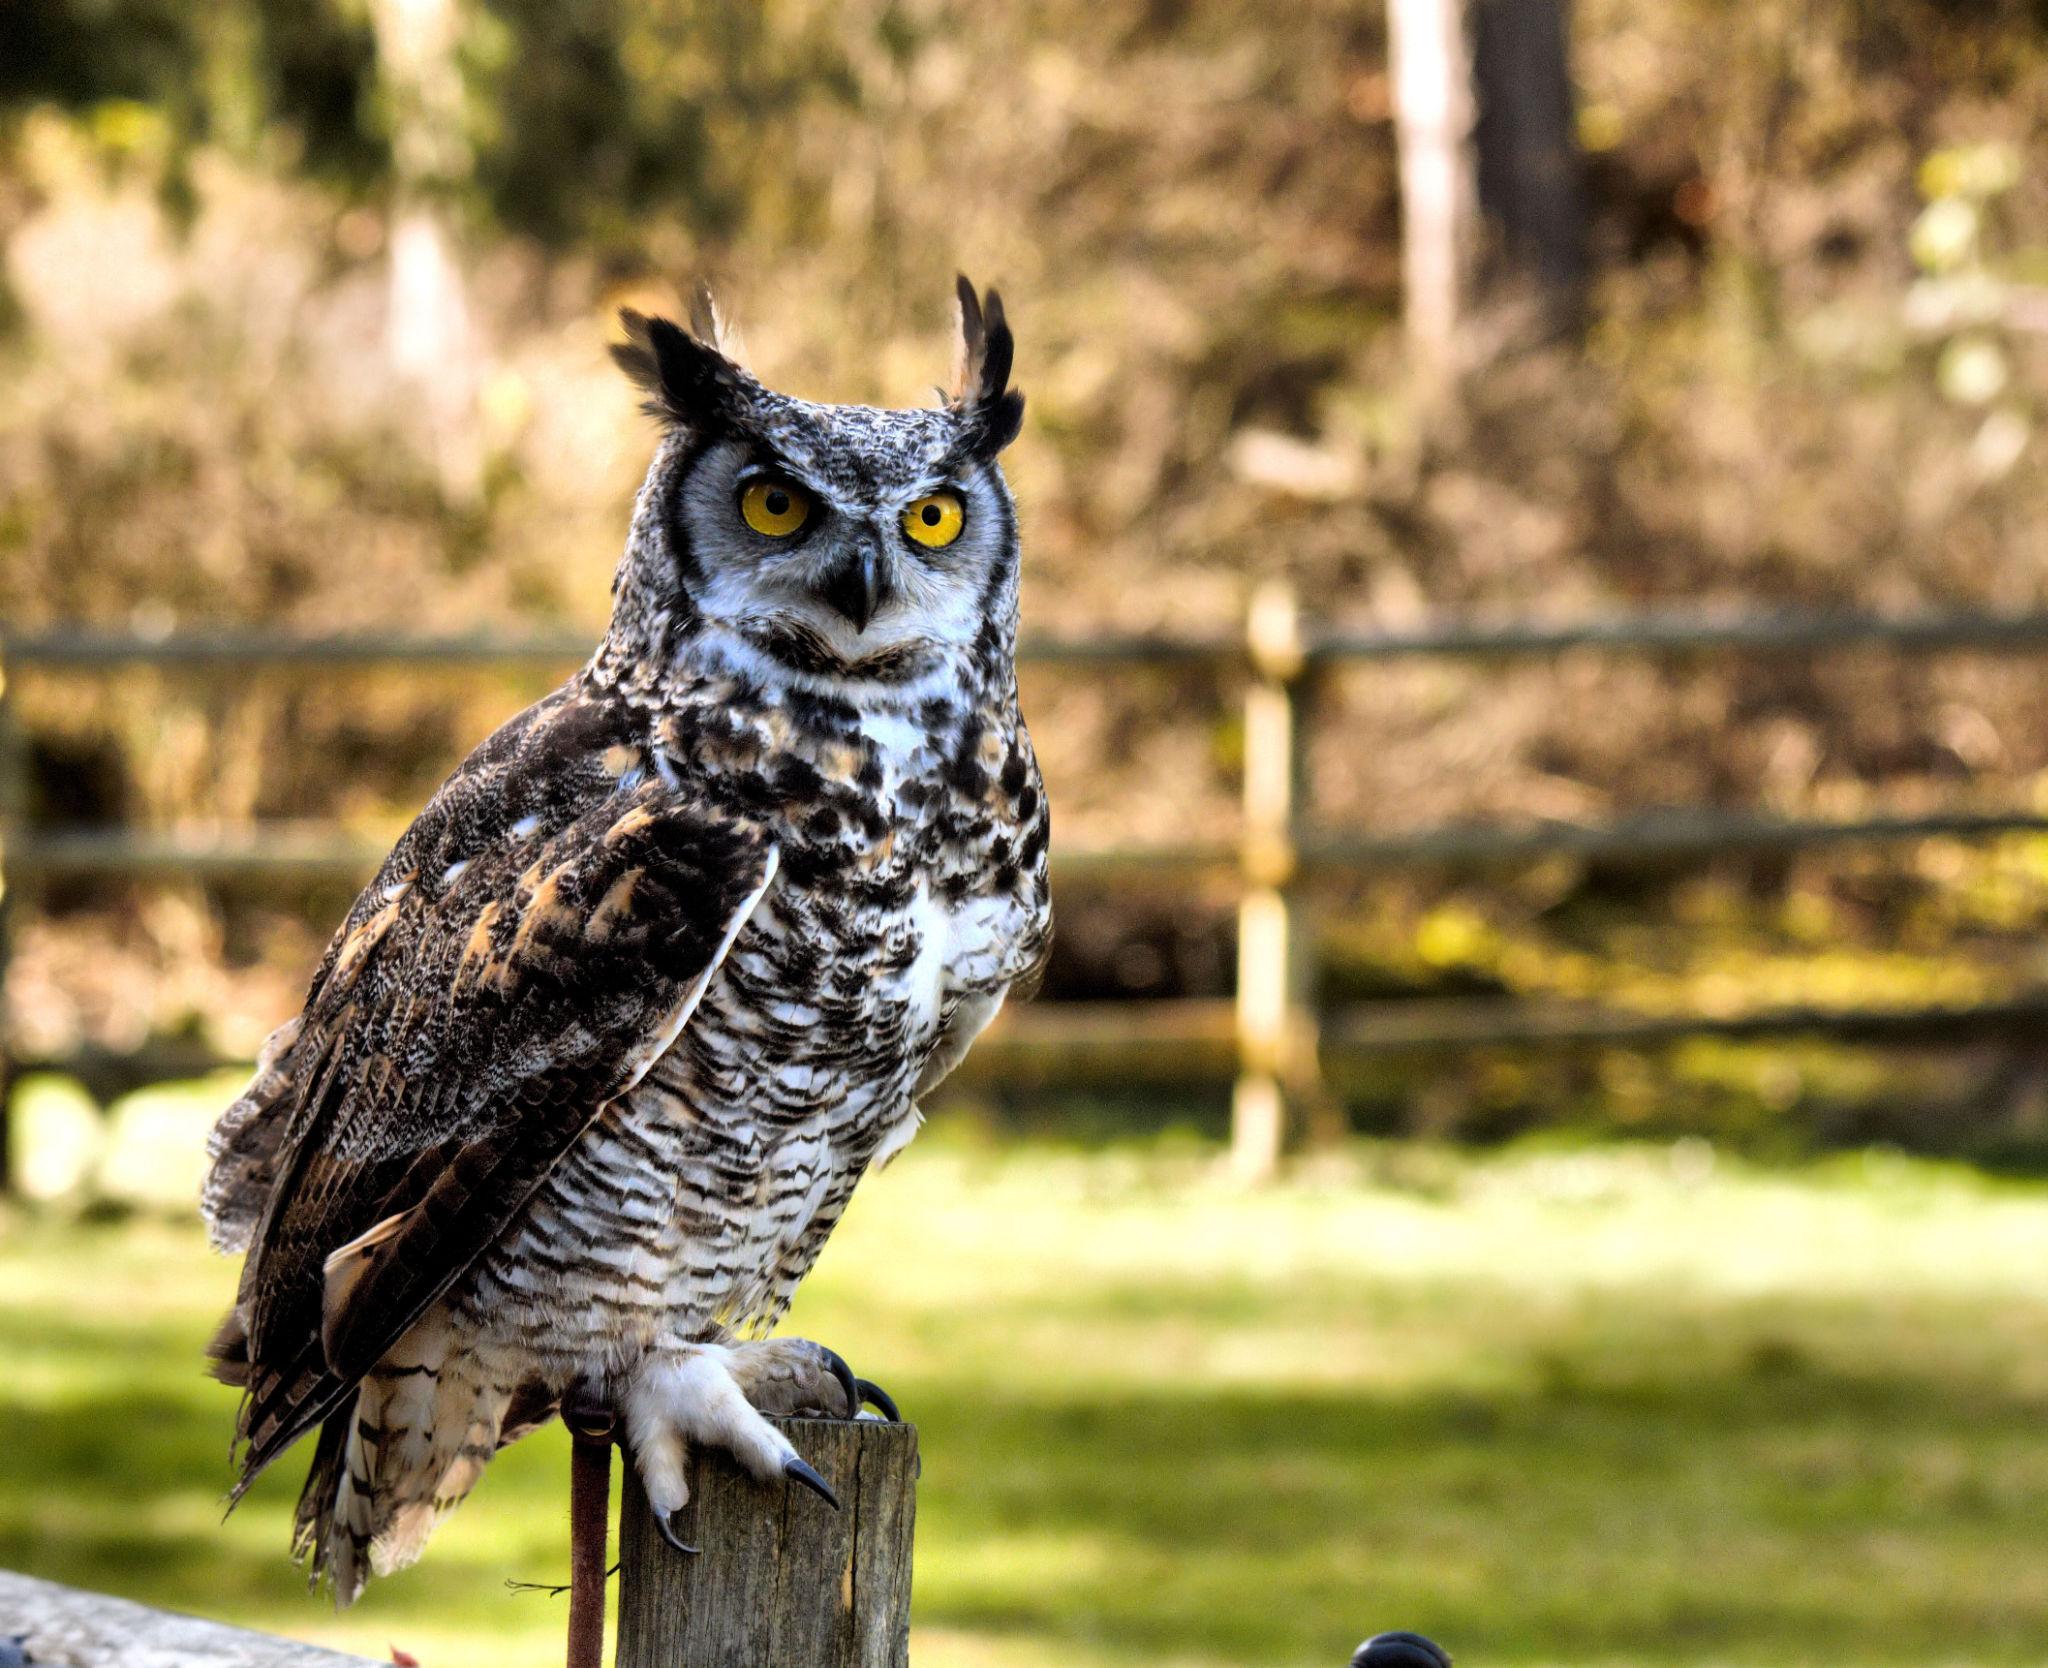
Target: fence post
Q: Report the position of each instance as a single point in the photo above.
(1276, 1025)
(781, 1577)
(12, 808)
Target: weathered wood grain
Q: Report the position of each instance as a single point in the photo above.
(780, 1577)
(68, 1628)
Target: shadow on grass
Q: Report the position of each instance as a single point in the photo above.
(1775, 1513)
(126, 1493)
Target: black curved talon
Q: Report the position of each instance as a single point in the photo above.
(800, 1471)
(848, 1384)
(1401, 1650)
(868, 1392)
(667, 1526)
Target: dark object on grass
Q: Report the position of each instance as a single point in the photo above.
(1400, 1650)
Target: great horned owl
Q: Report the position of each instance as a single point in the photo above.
(590, 1071)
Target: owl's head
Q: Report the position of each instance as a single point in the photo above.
(839, 543)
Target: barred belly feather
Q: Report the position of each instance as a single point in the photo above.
(695, 1206)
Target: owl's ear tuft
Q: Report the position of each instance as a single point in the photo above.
(981, 391)
(711, 324)
(687, 380)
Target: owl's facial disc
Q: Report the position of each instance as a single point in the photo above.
(851, 548)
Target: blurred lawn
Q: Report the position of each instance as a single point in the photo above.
(1617, 1406)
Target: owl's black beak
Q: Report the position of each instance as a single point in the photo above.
(857, 586)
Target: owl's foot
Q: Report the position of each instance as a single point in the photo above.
(717, 1395)
(796, 1378)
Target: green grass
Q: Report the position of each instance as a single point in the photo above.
(1602, 1407)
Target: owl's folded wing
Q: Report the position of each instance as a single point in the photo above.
(463, 1033)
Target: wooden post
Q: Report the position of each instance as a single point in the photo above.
(781, 1577)
(1276, 1028)
(13, 798)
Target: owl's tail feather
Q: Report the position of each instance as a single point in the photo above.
(424, 1423)
(312, 1524)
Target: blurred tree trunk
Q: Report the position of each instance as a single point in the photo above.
(1528, 154)
(1431, 68)
(1483, 115)
(429, 339)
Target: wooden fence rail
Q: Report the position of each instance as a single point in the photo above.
(50, 1626)
(1271, 1037)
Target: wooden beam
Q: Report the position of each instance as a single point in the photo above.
(1778, 632)
(304, 851)
(1449, 1024)
(68, 1625)
(1190, 1042)
(83, 649)
(1681, 835)
(1782, 632)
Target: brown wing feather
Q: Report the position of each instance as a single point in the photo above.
(242, 1150)
(464, 1031)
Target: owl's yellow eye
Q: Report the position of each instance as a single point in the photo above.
(935, 522)
(775, 508)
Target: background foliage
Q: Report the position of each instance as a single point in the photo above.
(1811, 376)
